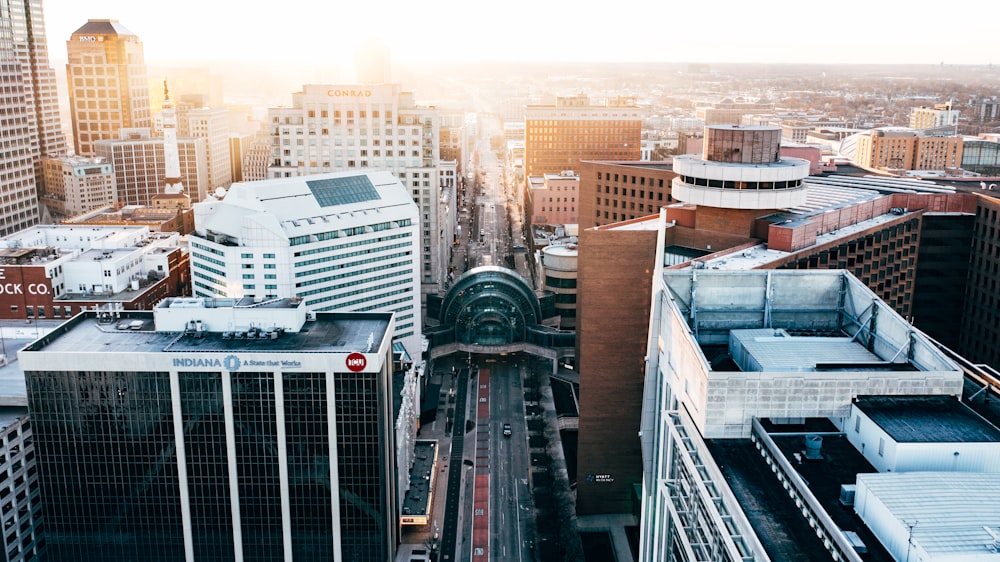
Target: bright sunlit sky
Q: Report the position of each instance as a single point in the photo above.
(723, 31)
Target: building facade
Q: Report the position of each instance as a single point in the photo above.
(211, 124)
(344, 242)
(555, 200)
(140, 165)
(797, 347)
(559, 263)
(77, 184)
(940, 115)
(108, 87)
(557, 137)
(372, 127)
(55, 272)
(896, 149)
(30, 127)
(19, 491)
(612, 192)
(216, 430)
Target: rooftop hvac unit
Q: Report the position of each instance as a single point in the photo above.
(847, 492)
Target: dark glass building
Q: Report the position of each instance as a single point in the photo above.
(216, 429)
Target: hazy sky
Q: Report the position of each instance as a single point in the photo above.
(793, 31)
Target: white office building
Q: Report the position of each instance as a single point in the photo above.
(343, 241)
(372, 127)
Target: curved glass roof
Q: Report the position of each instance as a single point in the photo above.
(490, 305)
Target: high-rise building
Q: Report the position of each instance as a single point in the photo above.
(940, 115)
(557, 137)
(373, 127)
(30, 127)
(77, 184)
(211, 124)
(346, 241)
(41, 97)
(108, 87)
(216, 429)
(140, 164)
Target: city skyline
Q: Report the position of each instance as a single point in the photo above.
(448, 31)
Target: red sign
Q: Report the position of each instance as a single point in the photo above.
(356, 362)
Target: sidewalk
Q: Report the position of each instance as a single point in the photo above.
(427, 537)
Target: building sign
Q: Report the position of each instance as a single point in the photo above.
(91, 38)
(356, 362)
(19, 288)
(600, 478)
(348, 93)
(234, 363)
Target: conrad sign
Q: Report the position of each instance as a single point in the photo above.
(348, 93)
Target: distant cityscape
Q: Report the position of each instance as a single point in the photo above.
(494, 311)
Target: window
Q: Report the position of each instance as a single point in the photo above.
(857, 424)
(881, 446)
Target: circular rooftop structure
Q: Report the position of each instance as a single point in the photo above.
(740, 168)
(490, 305)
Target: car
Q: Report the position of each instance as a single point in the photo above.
(506, 430)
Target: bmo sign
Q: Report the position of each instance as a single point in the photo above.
(356, 362)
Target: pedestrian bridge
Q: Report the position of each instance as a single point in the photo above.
(493, 310)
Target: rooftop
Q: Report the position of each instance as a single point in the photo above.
(135, 332)
(304, 205)
(103, 27)
(927, 419)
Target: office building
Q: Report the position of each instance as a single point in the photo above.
(76, 185)
(108, 87)
(346, 241)
(909, 241)
(31, 114)
(215, 429)
(239, 146)
(612, 192)
(57, 271)
(19, 491)
(745, 369)
(211, 124)
(554, 200)
(558, 136)
(373, 127)
(140, 164)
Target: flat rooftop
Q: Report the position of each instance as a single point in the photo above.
(10, 414)
(329, 333)
(774, 516)
(927, 419)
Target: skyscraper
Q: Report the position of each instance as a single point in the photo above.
(108, 88)
(30, 127)
(216, 429)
